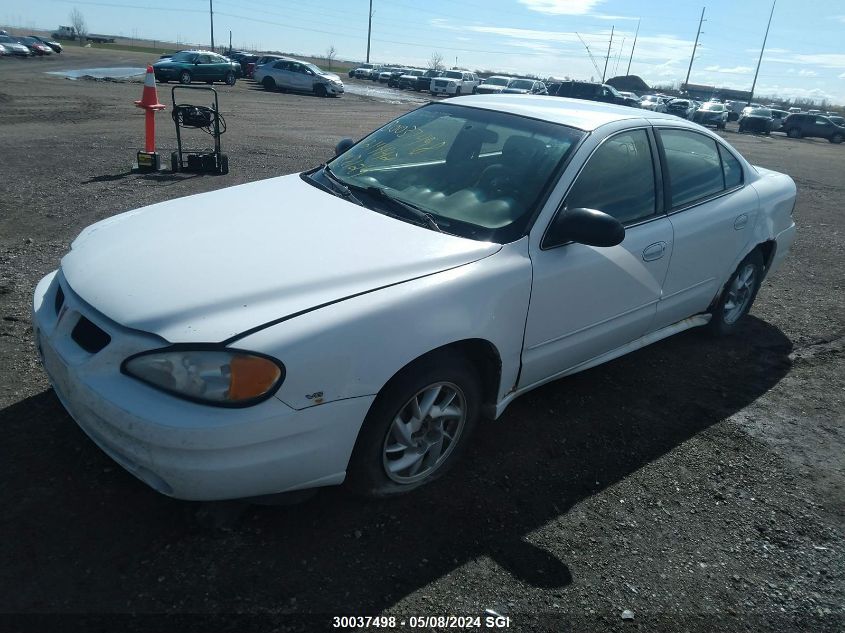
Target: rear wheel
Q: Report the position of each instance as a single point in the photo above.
(738, 295)
(185, 77)
(417, 427)
(230, 78)
(836, 138)
(268, 83)
(793, 132)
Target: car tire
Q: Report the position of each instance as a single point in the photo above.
(185, 77)
(231, 79)
(268, 84)
(738, 295)
(440, 377)
(458, 92)
(320, 90)
(836, 139)
(793, 132)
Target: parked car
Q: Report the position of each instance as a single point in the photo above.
(424, 81)
(594, 92)
(37, 47)
(812, 126)
(266, 59)
(283, 368)
(409, 79)
(378, 70)
(247, 64)
(630, 95)
(756, 120)
(778, 117)
(299, 76)
(189, 66)
(384, 75)
(814, 112)
(683, 108)
(55, 46)
(794, 110)
(13, 47)
(454, 82)
(363, 71)
(712, 113)
(655, 103)
(393, 80)
(837, 120)
(525, 87)
(3, 51)
(493, 85)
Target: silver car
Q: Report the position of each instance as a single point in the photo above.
(299, 76)
(13, 47)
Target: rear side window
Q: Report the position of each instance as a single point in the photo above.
(694, 166)
(618, 179)
(731, 168)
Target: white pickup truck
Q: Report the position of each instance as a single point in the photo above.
(454, 83)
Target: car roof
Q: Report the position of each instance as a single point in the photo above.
(578, 113)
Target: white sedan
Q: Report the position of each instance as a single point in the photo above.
(356, 321)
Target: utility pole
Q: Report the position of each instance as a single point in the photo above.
(628, 72)
(760, 61)
(369, 30)
(211, 15)
(694, 48)
(230, 41)
(606, 59)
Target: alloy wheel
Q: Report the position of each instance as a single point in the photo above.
(740, 293)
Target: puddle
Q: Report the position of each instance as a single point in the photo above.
(107, 74)
(385, 94)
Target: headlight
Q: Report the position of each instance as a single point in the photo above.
(222, 377)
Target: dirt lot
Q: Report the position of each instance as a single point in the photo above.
(698, 482)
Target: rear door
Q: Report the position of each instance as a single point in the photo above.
(712, 214)
(203, 68)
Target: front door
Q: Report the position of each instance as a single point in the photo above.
(585, 300)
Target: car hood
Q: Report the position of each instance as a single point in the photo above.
(329, 76)
(516, 91)
(490, 88)
(207, 267)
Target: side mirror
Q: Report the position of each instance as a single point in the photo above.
(343, 146)
(585, 226)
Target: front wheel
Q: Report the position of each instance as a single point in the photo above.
(185, 77)
(738, 295)
(836, 139)
(320, 90)
(268, 83)
(793, 132)
(230, 79)
(417, 427)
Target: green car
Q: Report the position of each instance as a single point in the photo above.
(188, 66)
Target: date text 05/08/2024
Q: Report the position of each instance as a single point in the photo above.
(422, 621)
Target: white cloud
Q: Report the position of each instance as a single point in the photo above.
(807, 73)
(735, 70)
(825, 60)
(561, 7)
(601, 16)
(842, 76)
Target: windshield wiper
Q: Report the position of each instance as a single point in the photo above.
(339, 185)
(409, 209)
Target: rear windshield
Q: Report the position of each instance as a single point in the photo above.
(497, 81)
(764, 112)
(452, 74)
(713, 107)
(522, 84)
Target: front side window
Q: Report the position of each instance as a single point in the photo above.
(695, 170)
(479, 173)
(204, 59)
(618, 179)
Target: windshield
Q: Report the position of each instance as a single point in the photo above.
(417, 73)
(453, 74)
(183, 57)
(763, 112)
(7, 40)
(713, 107)
(479, 173)
(315, 69)
(522, 84)
(650, 98)
(497, 81)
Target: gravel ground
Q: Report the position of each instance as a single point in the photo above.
(694, 485)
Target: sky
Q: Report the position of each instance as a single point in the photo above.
(804, 53)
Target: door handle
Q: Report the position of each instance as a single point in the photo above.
(741, 221)
(654, 251)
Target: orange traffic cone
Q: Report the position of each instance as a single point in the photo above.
(149, 159)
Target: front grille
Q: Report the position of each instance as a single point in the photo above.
(60, 299)
(89, 337)
(440, 84)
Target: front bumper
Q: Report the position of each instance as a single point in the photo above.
(334, 89)
(448, 89)
(179, 448)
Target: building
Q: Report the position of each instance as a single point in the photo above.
(703, 93)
